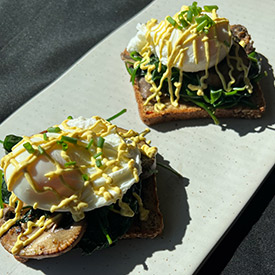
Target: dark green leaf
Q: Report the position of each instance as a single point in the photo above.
(10, 141)
(5, 192)
(215, 95)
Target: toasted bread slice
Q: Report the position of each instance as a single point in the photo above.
(187, 111)
(154, 224)
(46, 246)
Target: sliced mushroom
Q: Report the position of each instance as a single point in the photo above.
(53, 242)
(214, 79)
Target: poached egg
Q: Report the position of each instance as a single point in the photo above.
(77, 166)
(184, 48)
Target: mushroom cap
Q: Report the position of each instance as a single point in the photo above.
(53, 242)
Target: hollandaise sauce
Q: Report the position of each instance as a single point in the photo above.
(188, 43)
(87, 166)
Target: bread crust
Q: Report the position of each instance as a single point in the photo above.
(187, 111)
(153, 226)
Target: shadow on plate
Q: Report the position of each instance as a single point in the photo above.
(127, 254)
(241, 126)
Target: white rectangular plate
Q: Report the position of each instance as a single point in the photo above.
(222, 165)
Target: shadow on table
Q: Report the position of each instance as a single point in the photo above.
(127, 254)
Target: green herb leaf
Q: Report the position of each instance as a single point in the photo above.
(40, 149)
(182, 20)
(97, 155)
(63, 144)
(100, 142)
(5, 193)
(215, 95)
(117, 115)
(98, 163)
(45, 137)
(85, 177)
(90, 144)
(53, 129)
(210, 8)
(135, 56)
(29, 147)
(171, 20)
(69, 139)
(252, 57)
(207, 109)
(70, 163)
(1, 181)
(10, 141)
(189, 15)
(105, 226)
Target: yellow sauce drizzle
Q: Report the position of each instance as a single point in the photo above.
(159, 35)
(100, 128)
(143, 213)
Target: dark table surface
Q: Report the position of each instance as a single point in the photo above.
(39, 40)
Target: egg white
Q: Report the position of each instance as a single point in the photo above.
(122, 178)
(222, 35)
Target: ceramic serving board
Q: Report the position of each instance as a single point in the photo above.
(221, 165)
